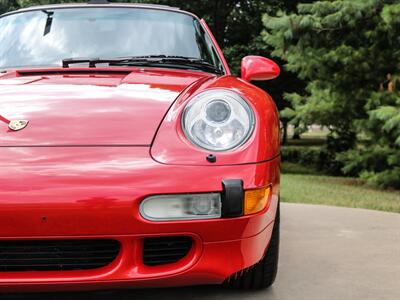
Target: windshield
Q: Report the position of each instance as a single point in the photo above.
(46, 37)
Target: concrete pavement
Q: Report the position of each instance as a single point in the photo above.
(326, 253)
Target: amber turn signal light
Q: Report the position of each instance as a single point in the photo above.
(256, 200)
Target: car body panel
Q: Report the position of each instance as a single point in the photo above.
(95, 192)
(82, 107)
(99, 141)
(84, 190)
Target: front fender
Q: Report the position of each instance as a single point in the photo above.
(170, 145)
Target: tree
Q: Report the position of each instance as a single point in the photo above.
(344, 50)
(6, 5)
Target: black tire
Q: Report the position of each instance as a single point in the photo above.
(262, 275)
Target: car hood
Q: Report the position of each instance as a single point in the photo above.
(89, 107)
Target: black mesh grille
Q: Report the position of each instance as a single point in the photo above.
(56, 255)
(165, 250)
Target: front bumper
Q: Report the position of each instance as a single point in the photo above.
(97, 195)
(209, 263)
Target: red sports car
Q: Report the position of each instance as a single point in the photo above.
(130, 156)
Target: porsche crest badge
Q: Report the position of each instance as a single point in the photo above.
(16, 125)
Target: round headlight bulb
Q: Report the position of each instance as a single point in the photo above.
(218, 111)
(218, 120)
(202, 206)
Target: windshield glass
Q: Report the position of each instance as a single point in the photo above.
(46, 37)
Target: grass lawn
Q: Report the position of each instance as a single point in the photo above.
(301, 185)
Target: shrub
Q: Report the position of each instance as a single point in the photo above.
(316, 157)
(385, 179)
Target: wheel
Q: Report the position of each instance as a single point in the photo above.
(262, 275)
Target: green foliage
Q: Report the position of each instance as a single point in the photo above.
(318, 158)
(6, 5)
(344, 50)
(386, 179)
(377, 159)
(294, 168)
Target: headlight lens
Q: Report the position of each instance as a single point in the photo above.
(218, 120)
(181, 207)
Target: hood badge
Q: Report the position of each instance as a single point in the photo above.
(16, 125)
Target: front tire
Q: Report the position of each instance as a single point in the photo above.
(261, 275)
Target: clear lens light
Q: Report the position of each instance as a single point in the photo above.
(218, 120)
(181, 207)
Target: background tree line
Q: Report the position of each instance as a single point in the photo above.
(340, 61)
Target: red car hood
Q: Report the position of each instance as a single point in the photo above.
(84, 107)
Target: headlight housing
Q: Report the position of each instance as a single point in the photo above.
(218, 120)
(181, 207)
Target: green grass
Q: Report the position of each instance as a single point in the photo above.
(301, 185)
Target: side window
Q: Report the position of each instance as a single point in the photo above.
(206, 46)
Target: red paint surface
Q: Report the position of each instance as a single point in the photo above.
(89, 192)
(90, 108)
(97, 144)
(259, 68)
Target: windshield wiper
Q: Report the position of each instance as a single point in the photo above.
(151, 60)
(91, 61)
(190, 62)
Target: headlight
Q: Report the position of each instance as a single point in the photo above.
(218, 120)
(181, 207)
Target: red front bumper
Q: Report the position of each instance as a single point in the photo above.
(97, 195)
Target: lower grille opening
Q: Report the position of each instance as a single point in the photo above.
(165, 250)
(57, 255)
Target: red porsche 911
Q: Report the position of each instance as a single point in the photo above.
(130, 156)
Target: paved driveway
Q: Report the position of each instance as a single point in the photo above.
(326, 253)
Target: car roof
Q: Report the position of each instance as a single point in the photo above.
(94, 4)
